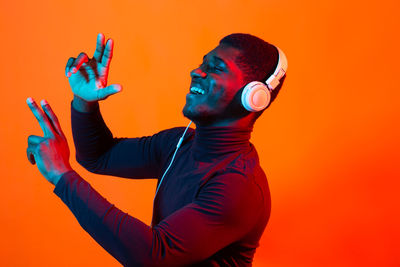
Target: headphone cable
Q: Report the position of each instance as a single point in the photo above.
(173, 157)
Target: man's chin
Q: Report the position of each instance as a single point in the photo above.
(188, 114)
(197, 117)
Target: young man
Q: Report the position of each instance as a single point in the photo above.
(212, 200)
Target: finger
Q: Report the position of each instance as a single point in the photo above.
(69, 63)
(34, 140)
(109, 90)
(41, 117)
(91, 73)
(108, 53)
(89, 70)
(99, 47)
(30, 156)
(52, 117)
(78, 62)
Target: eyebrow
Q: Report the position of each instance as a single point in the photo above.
(217, 58)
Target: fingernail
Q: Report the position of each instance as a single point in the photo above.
(73, 70)
(43, 102)
(29, 100)
(69, 74)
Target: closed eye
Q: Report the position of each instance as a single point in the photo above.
(211, 67)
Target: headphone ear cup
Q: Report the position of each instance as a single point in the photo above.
(255, 96)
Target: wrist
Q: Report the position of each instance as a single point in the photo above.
(57, 177)
(82, 105)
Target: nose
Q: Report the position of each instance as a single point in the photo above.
(198, 72)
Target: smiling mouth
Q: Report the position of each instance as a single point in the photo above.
(197, 91)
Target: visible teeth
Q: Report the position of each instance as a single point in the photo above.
(197, 90)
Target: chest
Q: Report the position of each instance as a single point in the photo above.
(183, 182)
(181, 185)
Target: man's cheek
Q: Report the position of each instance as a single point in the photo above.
(221, 96)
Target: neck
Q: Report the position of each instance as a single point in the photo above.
(215, 141)
(245, 122)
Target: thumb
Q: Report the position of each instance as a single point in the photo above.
(109, 90)
(30, 156)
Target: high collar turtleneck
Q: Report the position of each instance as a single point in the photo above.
(210, 142)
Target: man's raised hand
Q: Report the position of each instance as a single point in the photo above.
(49, 152)
(88, 77)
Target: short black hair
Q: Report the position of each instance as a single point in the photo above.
(258, 59)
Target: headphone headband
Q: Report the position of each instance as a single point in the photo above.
(273, 81)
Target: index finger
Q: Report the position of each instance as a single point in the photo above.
(52, 116)
(41, 117)
(108, 53)
(99, 47)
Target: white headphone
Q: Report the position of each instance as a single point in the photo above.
(257, 95)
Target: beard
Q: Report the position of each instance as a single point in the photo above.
(200, 114)
(205, 115)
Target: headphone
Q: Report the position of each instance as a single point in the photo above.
(256, 95)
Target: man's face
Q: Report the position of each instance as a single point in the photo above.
(220, 79)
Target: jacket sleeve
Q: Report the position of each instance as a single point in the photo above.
(99, 152)
(227, 207)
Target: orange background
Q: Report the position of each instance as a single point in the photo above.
(329, 143)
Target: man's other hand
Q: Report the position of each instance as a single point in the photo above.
(50, 152)
(88, 77)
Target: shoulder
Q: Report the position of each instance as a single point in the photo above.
(165, 141)
(246, 162)
(232, 198)
(174, 132)
(172, 135)
(244, 178)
